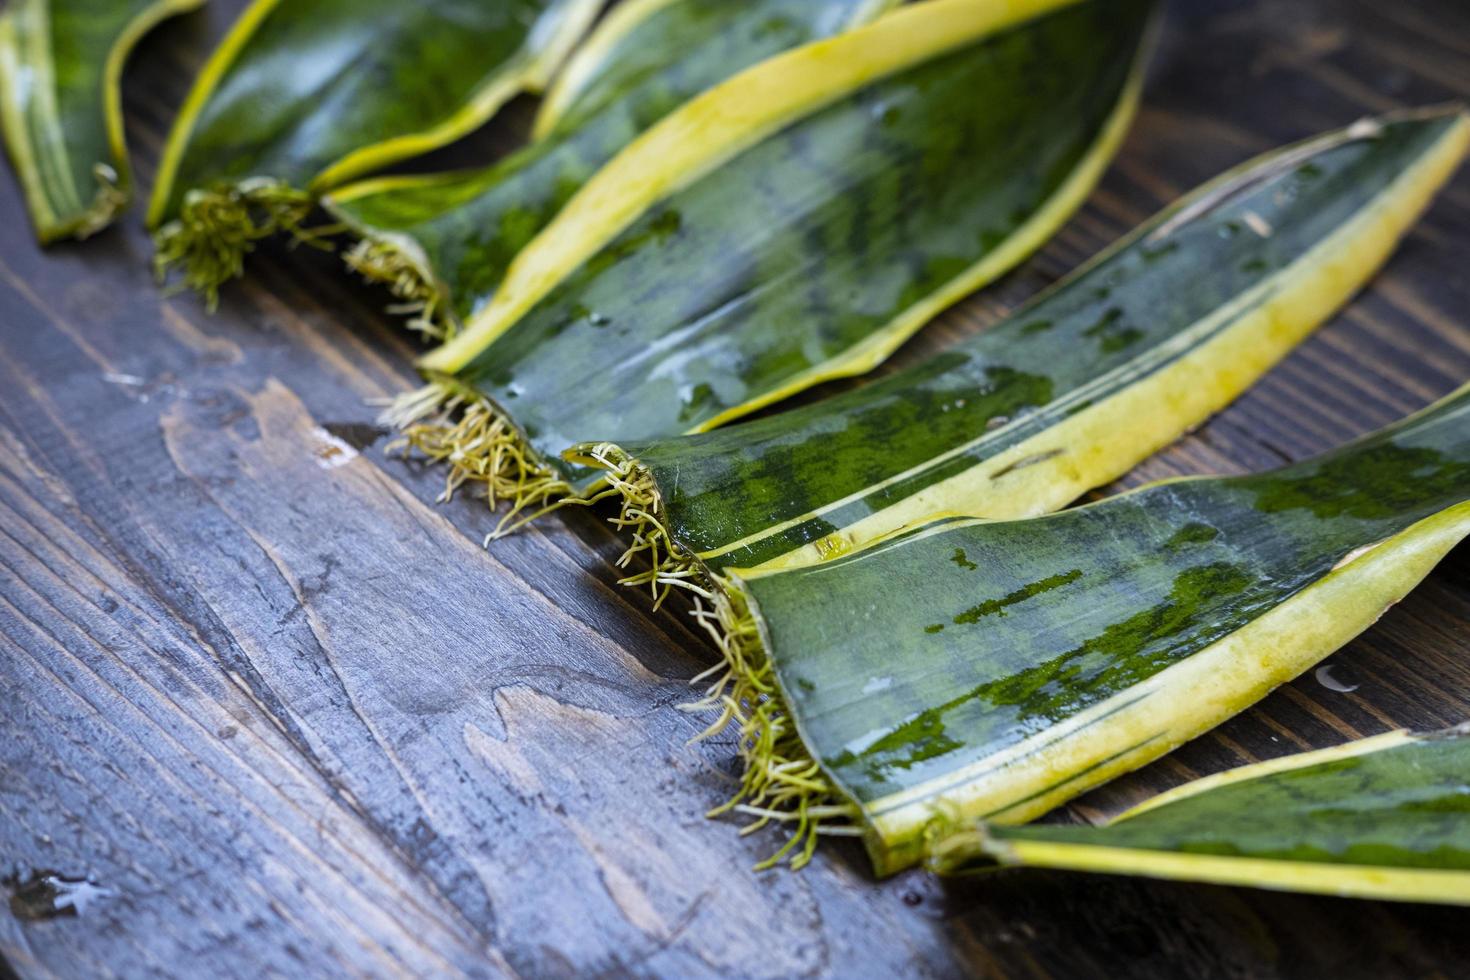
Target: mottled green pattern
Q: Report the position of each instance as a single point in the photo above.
(471, 225)
(319, 80)
(1046, 617)
(1101, 331)
(691, 45)
(64, 132)
(1405, 806)
(813, 240)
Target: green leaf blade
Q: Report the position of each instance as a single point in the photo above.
(299, 98)
(60, 67)
(463, 230)
(1387, 817)
(858, 220)
(1030, 660)
(1029, 414)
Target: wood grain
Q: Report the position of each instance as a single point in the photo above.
(292, 719)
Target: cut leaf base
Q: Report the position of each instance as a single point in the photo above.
(645, 520)
(217, 228)
(109, 201)
(478, 444)
(780, 781)
(384, 263)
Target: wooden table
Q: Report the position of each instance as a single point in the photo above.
(289, 718)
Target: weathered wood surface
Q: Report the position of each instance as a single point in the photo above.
(293, 720)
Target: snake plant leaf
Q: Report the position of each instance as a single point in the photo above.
(1384, 818)
(793, 224)
(974, 669)
(301, 97)
(442, 242)
(1110, 365)
(61, 64)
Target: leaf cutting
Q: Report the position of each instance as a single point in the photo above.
(1073, 389)
(442, 242)
(991, 670)
(791, 225)
(61, 64)
(1384, 818)
(301, 97)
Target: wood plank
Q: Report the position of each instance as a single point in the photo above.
(284, 710)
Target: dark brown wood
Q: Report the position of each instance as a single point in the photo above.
(281, 714)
